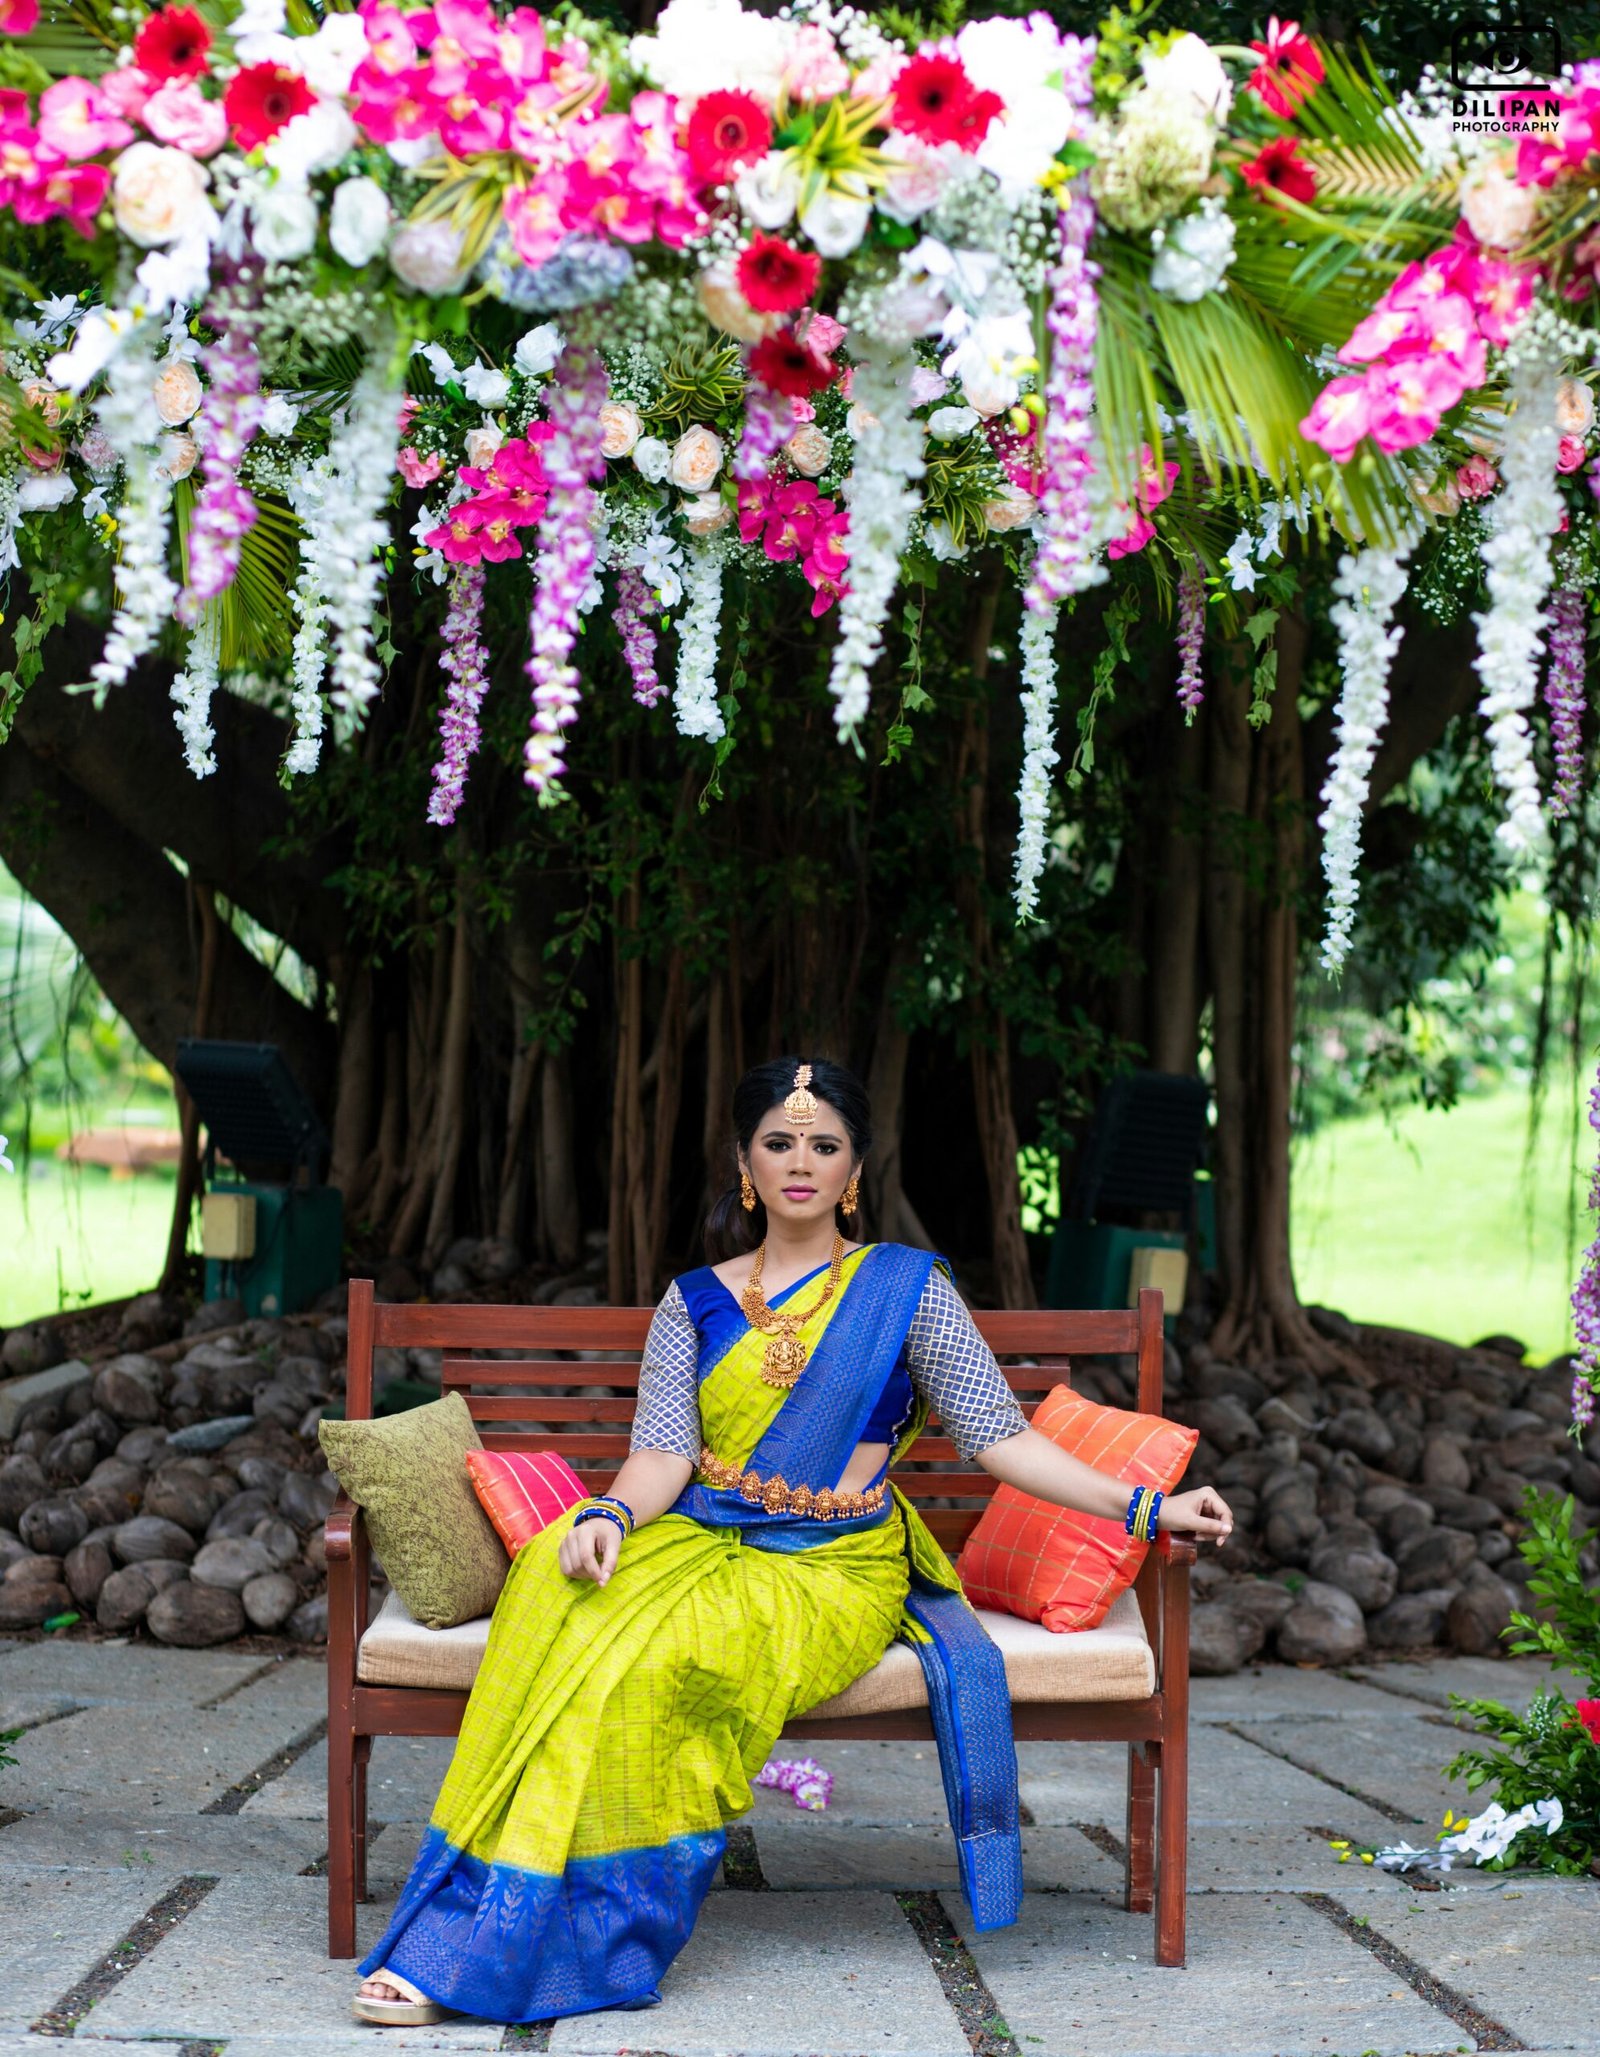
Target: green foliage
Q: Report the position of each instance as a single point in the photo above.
(9, 1735)
(1546, 1750)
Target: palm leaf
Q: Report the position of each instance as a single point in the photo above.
(257, 619)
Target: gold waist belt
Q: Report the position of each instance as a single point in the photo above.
(778, 1497)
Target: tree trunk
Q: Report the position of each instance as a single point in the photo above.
(188, 1114)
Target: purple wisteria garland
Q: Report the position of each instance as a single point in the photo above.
(1586, 1300)
(1062, 565)
(1564, 694)
(465, 663)
(803, 1778)
(634, 604)
(565, 563)
(768, 420)
(225, 509)
(1191, 638)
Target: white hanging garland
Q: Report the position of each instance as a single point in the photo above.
(694, 696)
(1039, 754)
(192, 690)
(146, 593)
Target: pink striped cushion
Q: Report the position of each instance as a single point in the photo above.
(523, 1493)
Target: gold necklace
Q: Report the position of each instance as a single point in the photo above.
(785, 1356)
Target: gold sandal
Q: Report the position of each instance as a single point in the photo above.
(416, 2010)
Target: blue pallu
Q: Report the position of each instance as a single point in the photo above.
(809, 1443)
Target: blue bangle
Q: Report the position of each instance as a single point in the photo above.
(1155, 1515)
(1131, 1517)
(611, 1500)
(602, 1514)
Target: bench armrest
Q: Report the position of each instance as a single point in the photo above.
(1178, 1545)
(348, 1555)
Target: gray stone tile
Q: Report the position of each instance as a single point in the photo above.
(403, 1781)
(137, 1761)
(1268, 1692)
(139, 1674)
(1400, 1762)
(777, 1974)
(1231, 1780)
(811, 1851)
(298, 1687)
(1528, 1961)
(63, 1837)
(1266, 1976)
(1513, 1680)
(1285, 1860)
(58, 1926)
(877, 1785)
(27, 1709)
(251, 1960)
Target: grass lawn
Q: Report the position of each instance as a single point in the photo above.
(70, 1235)
(1429, 1225)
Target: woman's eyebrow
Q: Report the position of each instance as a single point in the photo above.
(827, 1136)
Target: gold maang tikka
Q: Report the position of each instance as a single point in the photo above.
(800, 1105)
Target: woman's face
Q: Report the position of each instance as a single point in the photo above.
(799, 1173)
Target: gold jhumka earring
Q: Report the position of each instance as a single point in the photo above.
(851, 1194)
(747, 1193)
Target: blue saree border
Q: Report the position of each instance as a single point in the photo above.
(512, 1945)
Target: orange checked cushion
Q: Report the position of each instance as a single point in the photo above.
(522, 1494)
(1052, 1564)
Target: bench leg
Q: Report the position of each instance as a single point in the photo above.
(1172, 1848)
(1139, 1843)
(342, 1840)
(362, 1756)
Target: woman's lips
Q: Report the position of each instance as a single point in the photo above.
(799, 1192)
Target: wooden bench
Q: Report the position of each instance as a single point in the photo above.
(1127, 1681)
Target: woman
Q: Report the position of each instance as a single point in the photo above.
(750, 1562)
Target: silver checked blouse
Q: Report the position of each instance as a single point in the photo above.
(948, 1361)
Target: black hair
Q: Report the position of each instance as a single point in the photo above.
(730, 1231)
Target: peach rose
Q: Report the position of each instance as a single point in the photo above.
(808, 450)
(696, 460)
(620, 428)
(705, 514)
(177, 391)
(1011, 511)
(727, 309)
(1574, 408)
(1497, 210)
(43, 400)
(158, 195)
(180, 453)
(1442, 497)
(482, 444)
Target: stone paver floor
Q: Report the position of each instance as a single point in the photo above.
(161, 1837)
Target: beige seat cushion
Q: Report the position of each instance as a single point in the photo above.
(1111, 1662)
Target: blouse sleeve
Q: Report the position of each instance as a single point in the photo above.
(668, 1413)
(955, 1369)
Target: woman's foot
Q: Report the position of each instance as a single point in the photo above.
(385, 1997)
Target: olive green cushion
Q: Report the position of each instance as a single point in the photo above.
(429, 1532)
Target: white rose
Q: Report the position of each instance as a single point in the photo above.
(696, 459)
(651, 459)
(705, 514)
(1012, 510)
(942, 543)
(1190, 68)
(836, 224)
(278, 415)
(484, 386)
(283, 220)
(157, 194)
(177, 390)
(1498, 211)
(314, 141)
(769, 190)
(483, 443)
(426, 255)
(620, 428)
(360, 218)
(1194, 256)
(537, 352)
(808, 450)
(1574, 408)
(946, 423)
(991, 392)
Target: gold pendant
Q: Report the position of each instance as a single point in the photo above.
(783, 1360)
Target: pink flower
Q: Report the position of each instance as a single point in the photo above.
(1154, 483)
(1503, 296)
(416, 469)
(180, 114)
(18, 17)
(1340, 418)
(1570, 454)
(1408, 399)
(76, 119)
(127, 90)
(1476, 479)
(927, 385)
(820, 332)
(390, 45)
(1139, 533)
(534, 215)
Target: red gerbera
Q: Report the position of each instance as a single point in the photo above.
(261, 99)
(785, 364)
(1279, 168)
(172, 44)
(1589, 1715)
(1290, 70)
(726, 132)
(775, 277)
(934, 100)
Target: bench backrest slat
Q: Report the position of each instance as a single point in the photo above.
(1045, 1340)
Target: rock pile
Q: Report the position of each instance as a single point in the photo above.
(1376, 1509)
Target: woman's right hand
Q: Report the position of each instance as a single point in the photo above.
(590, 1549)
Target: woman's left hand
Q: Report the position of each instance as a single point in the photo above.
(1203, 1511)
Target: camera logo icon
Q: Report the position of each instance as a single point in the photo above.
(1505, 53)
